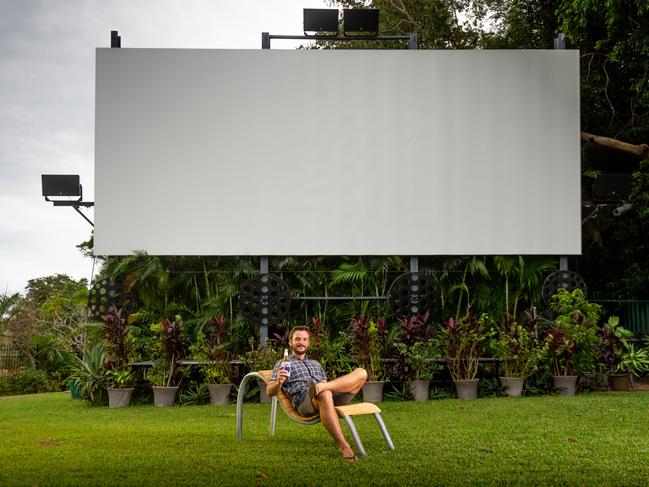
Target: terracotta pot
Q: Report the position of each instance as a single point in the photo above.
(219, 394)
(566, 385)
(620, 382)
(119, 397)
(513, 386)
(163, 397)
(373, 391)
(419, 389)
(466, 389)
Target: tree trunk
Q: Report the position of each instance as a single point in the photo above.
(641, 150)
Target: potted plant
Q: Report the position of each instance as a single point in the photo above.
(571, 340)
(635, 361)
(165, 374)
(119, 388)
(420, 365)
(366, 349)
(519, 354)
(88, 373)
(216, 367)
(261, 357)
(612, 346)
(118, 351)
(465, 339)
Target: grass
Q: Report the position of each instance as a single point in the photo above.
(591, 439)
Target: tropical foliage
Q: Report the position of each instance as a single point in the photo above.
(571, 341)
(517, 348)
(465, 344)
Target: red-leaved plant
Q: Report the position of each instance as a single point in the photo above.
(464, 346)
(172, 348)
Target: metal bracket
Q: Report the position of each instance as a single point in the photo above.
(75, 205)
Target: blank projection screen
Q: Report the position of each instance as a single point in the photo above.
(337, 152)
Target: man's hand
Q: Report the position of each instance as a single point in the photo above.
(282, 375)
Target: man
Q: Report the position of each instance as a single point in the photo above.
(308, 388)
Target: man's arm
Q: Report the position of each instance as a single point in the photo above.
(274, 385)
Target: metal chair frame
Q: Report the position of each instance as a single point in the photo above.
(345, 412)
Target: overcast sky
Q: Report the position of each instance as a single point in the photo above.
(47, 77)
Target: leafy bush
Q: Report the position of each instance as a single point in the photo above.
(119, 345)
(26, 381)
(571, 341)
(89, 375)
(367, 345)
(613, 344)
(261, 357)
(418, 359)
(517, 349)
(465, 340)
(171, 348)
(196, 394)
(213, 348)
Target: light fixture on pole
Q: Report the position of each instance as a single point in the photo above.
(361, 21)
(321, 20)
(62, 187)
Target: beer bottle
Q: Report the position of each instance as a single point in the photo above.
(286, 362)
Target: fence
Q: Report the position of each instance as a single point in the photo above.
(9, 360)
(634, 314)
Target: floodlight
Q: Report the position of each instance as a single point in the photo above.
(361, 20)
(612, 187)
(60, 185)
(321, 20)
(63, 187)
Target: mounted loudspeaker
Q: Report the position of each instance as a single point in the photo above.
(568, 280)
(412, 293)
(265, 299)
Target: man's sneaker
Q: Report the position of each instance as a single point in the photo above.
(312, 391)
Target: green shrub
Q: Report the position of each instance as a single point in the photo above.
(25, 381)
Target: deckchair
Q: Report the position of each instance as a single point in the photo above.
(345, 412)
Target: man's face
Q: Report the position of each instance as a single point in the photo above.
(300, 342)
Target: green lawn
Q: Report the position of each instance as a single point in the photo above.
(592, 439)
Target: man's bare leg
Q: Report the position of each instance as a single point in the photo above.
(352, 382)
(329, 418)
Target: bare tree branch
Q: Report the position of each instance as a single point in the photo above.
(640, 150)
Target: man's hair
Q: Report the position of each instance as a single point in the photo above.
(298, 328)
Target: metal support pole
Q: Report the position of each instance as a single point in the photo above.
(76, 208)
(384, 430)
(563, 263)
(414, 264)
(263, 327)
(412, 41)
(560, 43)
(357, 439)
(115, 39)
(273, 415)
(265, 40)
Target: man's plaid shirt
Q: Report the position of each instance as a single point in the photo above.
(302, 371)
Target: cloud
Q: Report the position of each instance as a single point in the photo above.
(47, 62)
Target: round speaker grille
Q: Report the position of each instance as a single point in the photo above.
(567, 280)
(412, 293)
(107, 293)
(265, 299)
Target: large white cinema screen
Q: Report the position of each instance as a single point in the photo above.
(337, 152)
